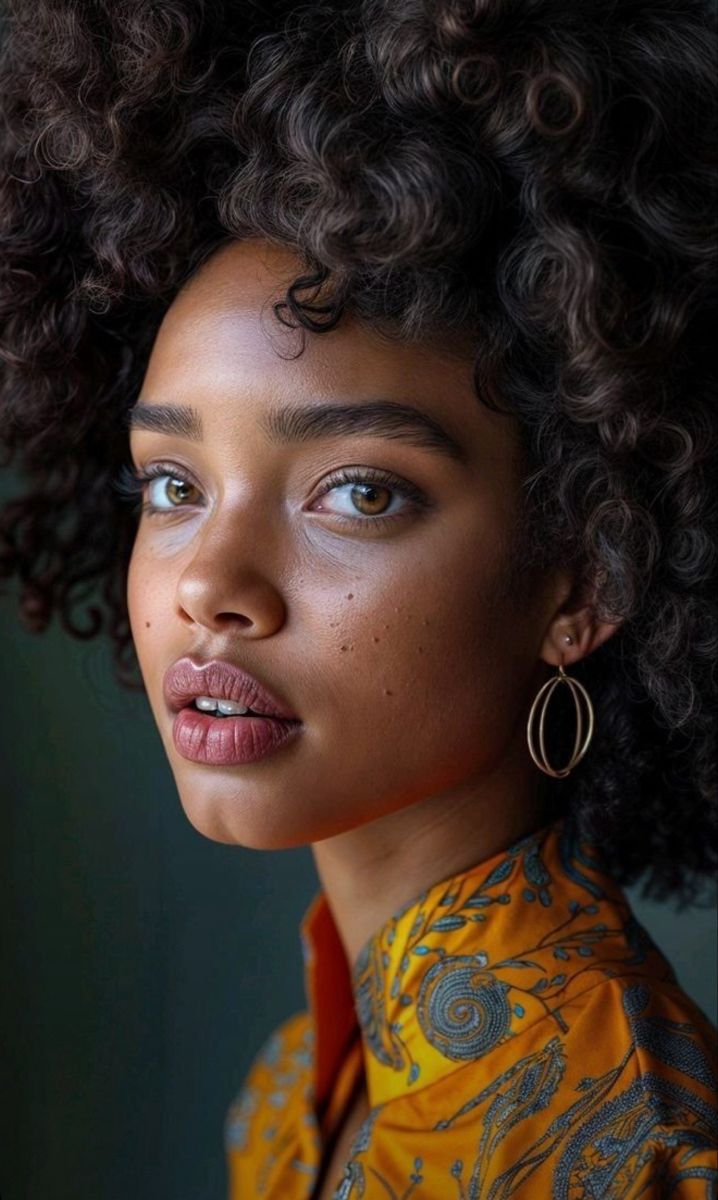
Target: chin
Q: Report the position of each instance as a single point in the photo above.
(230, 823)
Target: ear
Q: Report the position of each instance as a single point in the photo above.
(574, 618)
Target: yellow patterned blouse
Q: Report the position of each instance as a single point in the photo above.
(520, 1034)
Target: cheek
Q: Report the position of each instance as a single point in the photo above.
(444, 654)
(416, 660)
(146, 601)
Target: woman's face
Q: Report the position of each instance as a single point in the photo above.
(381, 617)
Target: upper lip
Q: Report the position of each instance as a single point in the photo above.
(186, 679)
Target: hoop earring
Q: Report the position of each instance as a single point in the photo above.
(577, 691)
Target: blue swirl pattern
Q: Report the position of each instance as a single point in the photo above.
(462, 1010)
(519, 1036)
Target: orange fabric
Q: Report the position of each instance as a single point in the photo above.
(521, 1037)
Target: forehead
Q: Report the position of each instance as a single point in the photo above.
(231, 297)
(221, 342)
(241, 277)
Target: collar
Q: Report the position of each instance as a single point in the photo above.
(469, 963)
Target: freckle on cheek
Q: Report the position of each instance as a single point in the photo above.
(147, 624)
(350, 595)
(387, 692)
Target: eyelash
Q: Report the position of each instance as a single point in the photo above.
(129, 484)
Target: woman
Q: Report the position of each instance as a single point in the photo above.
(405, 307)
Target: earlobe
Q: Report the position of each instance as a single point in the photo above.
(574, 636)
(561, 645)
(574, 618)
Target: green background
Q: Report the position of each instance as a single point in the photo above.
(143, 965)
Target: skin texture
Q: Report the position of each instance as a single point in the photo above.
(411, 670)
(448, 165)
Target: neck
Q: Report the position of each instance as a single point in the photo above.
(368, 873)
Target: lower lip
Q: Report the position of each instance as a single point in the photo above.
(227, 741)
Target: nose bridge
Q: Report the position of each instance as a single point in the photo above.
(236, 568)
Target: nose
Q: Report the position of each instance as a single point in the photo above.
(223, 590)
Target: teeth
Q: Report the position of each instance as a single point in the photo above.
(229, 708)
(226, 707)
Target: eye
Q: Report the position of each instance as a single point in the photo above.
(368, 496)
(175, 491)
(130, 484)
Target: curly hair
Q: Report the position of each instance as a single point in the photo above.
(536, 177)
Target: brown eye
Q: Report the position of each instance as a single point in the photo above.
(176, 490)
(168, 490)
(371, 499)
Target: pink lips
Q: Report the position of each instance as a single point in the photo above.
(231, 740)
(185, 680)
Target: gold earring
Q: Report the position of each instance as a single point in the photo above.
(577, 691)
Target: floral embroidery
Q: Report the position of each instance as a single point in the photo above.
(521, 1036)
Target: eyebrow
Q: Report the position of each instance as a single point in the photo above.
(296, 423)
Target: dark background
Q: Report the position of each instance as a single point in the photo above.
(143, 965)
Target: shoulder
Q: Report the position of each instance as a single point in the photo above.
(610, 1094)
(642, 1059)
(654, 1021)
(290, 1037)
(285, 1055)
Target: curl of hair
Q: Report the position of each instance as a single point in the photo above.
(534, 176)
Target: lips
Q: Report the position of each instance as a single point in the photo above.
(186, 679)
